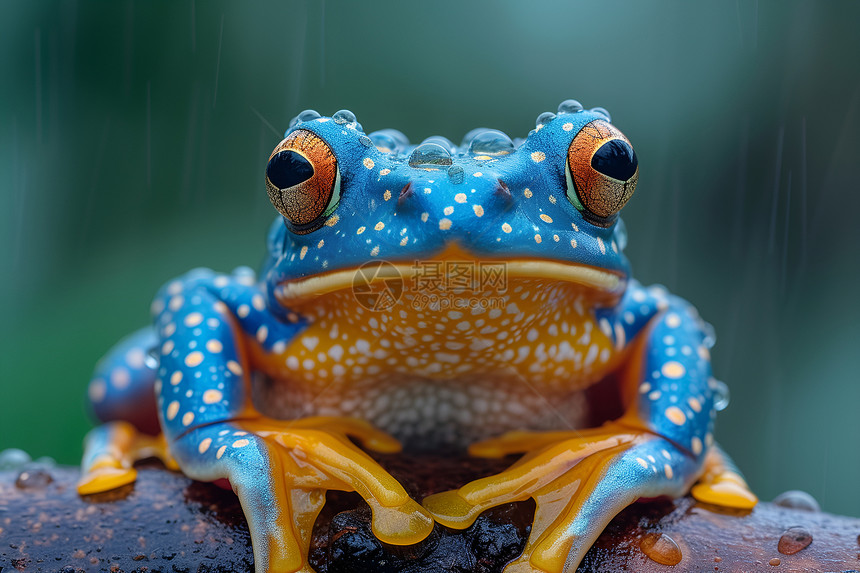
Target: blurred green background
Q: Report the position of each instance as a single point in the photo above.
(133, 138)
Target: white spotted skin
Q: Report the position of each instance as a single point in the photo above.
(675, 389)
(204, 326)
(436, 377)
(432, 377)
(504, 205)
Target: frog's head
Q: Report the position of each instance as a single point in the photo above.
(546, 206)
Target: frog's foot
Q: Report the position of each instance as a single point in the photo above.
(281, 470)
(722, 484)
(579, 480)
(110, 452)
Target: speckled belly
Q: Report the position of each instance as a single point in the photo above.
(429, 414)
(437, 378)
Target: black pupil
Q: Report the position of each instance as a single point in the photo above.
(288, 168)
(615, 159)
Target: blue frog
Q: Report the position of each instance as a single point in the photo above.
(432, 297)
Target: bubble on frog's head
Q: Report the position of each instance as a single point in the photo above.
(389, 140)
(602, 111)
(306, 115)
(569, 106)
(491, 142)
(365, 141)
(343, 116)
(544, 118)
(456, 174)
(443, 141)
(467, 139)
(430, 155)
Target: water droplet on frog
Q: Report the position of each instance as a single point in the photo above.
(306, 115)
(710, 338)
(359, 128)
(721, 395)
(620, 234)
(443, 141)
(152, 356)
(429, 155)
(661, 548)
(603, 112)
(384, 142)
(365, 141)
(33, 478)
(398, 136)
(544, 118)
(467, 139)
(456, 174)
(343, 116)
(491, 142)
(569, 106)
(796, 499)
(793, 540)
(774, 562)
(13, 458)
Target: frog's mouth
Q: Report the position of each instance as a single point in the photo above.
(601, 283)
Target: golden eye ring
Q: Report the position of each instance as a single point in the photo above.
(303, 181)
(602, 171)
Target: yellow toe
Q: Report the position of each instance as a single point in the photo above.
(402, 525)
(105, 478)
(726, 494)
(451, 510)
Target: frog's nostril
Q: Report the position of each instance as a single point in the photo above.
(615, 159)
(405, 193)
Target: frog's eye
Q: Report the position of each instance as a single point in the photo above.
(602, 171)
(303, 181)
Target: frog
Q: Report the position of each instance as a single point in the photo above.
(363, 333)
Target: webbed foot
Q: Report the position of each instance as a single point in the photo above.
(722, 484)
(579, 480)
(281, 470)
(110, 453)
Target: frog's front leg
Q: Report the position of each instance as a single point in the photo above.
(210, 327)
(581, 479)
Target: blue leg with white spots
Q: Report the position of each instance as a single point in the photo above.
(676, 397)
(581, 479)
(214, 331)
